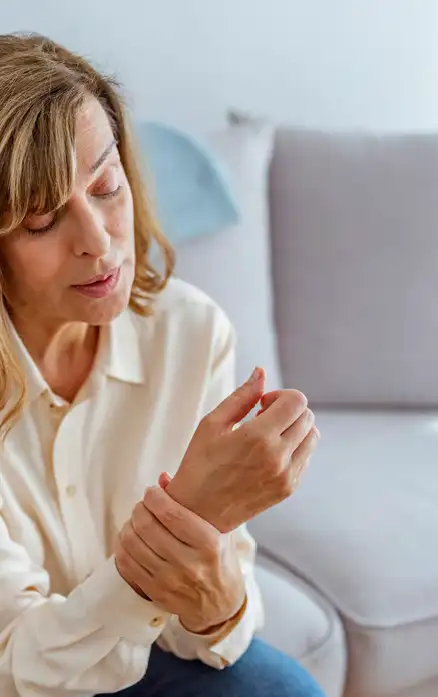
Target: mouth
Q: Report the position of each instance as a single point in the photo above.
(99, 286)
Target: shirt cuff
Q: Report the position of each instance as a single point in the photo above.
(112, 605)
(224, 647)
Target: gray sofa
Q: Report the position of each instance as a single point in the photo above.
(331, 279)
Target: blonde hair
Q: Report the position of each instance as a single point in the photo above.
(42, 87)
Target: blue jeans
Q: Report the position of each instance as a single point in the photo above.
(261, 672)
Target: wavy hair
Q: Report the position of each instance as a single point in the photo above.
(42, 88)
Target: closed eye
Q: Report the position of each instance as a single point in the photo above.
(44, 228)
(109, 184)
(110, 194)
(107, 187)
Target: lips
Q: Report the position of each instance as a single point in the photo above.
(99, 286)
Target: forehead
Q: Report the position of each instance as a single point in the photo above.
(93, 135)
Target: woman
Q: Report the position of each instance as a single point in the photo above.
(110, 374)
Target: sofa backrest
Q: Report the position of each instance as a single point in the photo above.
(354, 225)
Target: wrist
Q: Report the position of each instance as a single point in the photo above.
(181, 494)
(222, 627)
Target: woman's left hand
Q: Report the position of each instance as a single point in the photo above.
(181, 562)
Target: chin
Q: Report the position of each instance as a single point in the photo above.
(107, 311)
(98, 311)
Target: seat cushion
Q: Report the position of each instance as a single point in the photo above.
(363, 527)
(301, 623)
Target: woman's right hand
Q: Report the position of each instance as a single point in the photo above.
(229, 475)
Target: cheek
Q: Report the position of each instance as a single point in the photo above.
(31, 262)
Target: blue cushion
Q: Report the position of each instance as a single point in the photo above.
(191, 190)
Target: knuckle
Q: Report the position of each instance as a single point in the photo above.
(306, 422)
(125, 535)
(171, 516)
(293, 405)
(122, 560)
(310, 416)
(269, 453)
(313, 443)
(204, 422)
(197, 576)
(137, 512)
(212, 548)
(314, 436)
(287, 484)
(298, 398)
(310, 444)
(208, 423)
(141, 520)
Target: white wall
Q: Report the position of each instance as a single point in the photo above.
(331, 63)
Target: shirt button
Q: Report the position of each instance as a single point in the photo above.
(156, 622)
(70, 490)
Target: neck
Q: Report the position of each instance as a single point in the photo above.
(63, 352)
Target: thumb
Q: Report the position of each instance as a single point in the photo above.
(240, 402)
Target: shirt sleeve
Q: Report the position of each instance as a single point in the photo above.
(95, 640)
(218, 650)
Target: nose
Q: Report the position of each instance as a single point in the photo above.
(90, 237)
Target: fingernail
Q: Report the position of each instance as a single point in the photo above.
(255, 376)
(317, 432)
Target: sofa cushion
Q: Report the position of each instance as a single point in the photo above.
(189, 189)
(363, 527)
(233, 266)
(354, 222)
(301, 623)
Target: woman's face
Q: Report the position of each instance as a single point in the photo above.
(50, 262)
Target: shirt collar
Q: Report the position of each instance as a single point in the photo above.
(36, 385)
(119, 351)
(118, 355)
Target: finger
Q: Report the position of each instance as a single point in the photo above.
(155, 536)
(284, 410)
(139, 549)
(269, 398)
(295, 434)
(185, 525)
(238, 405)
(135, 574)
(303, 453)
(164, 480)
(301, 458)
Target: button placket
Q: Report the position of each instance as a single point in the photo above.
(75, 510)
(71, 490)
(156, 622)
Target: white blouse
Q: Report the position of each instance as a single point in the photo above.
(70, 475)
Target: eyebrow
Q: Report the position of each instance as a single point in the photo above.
(102, 157)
